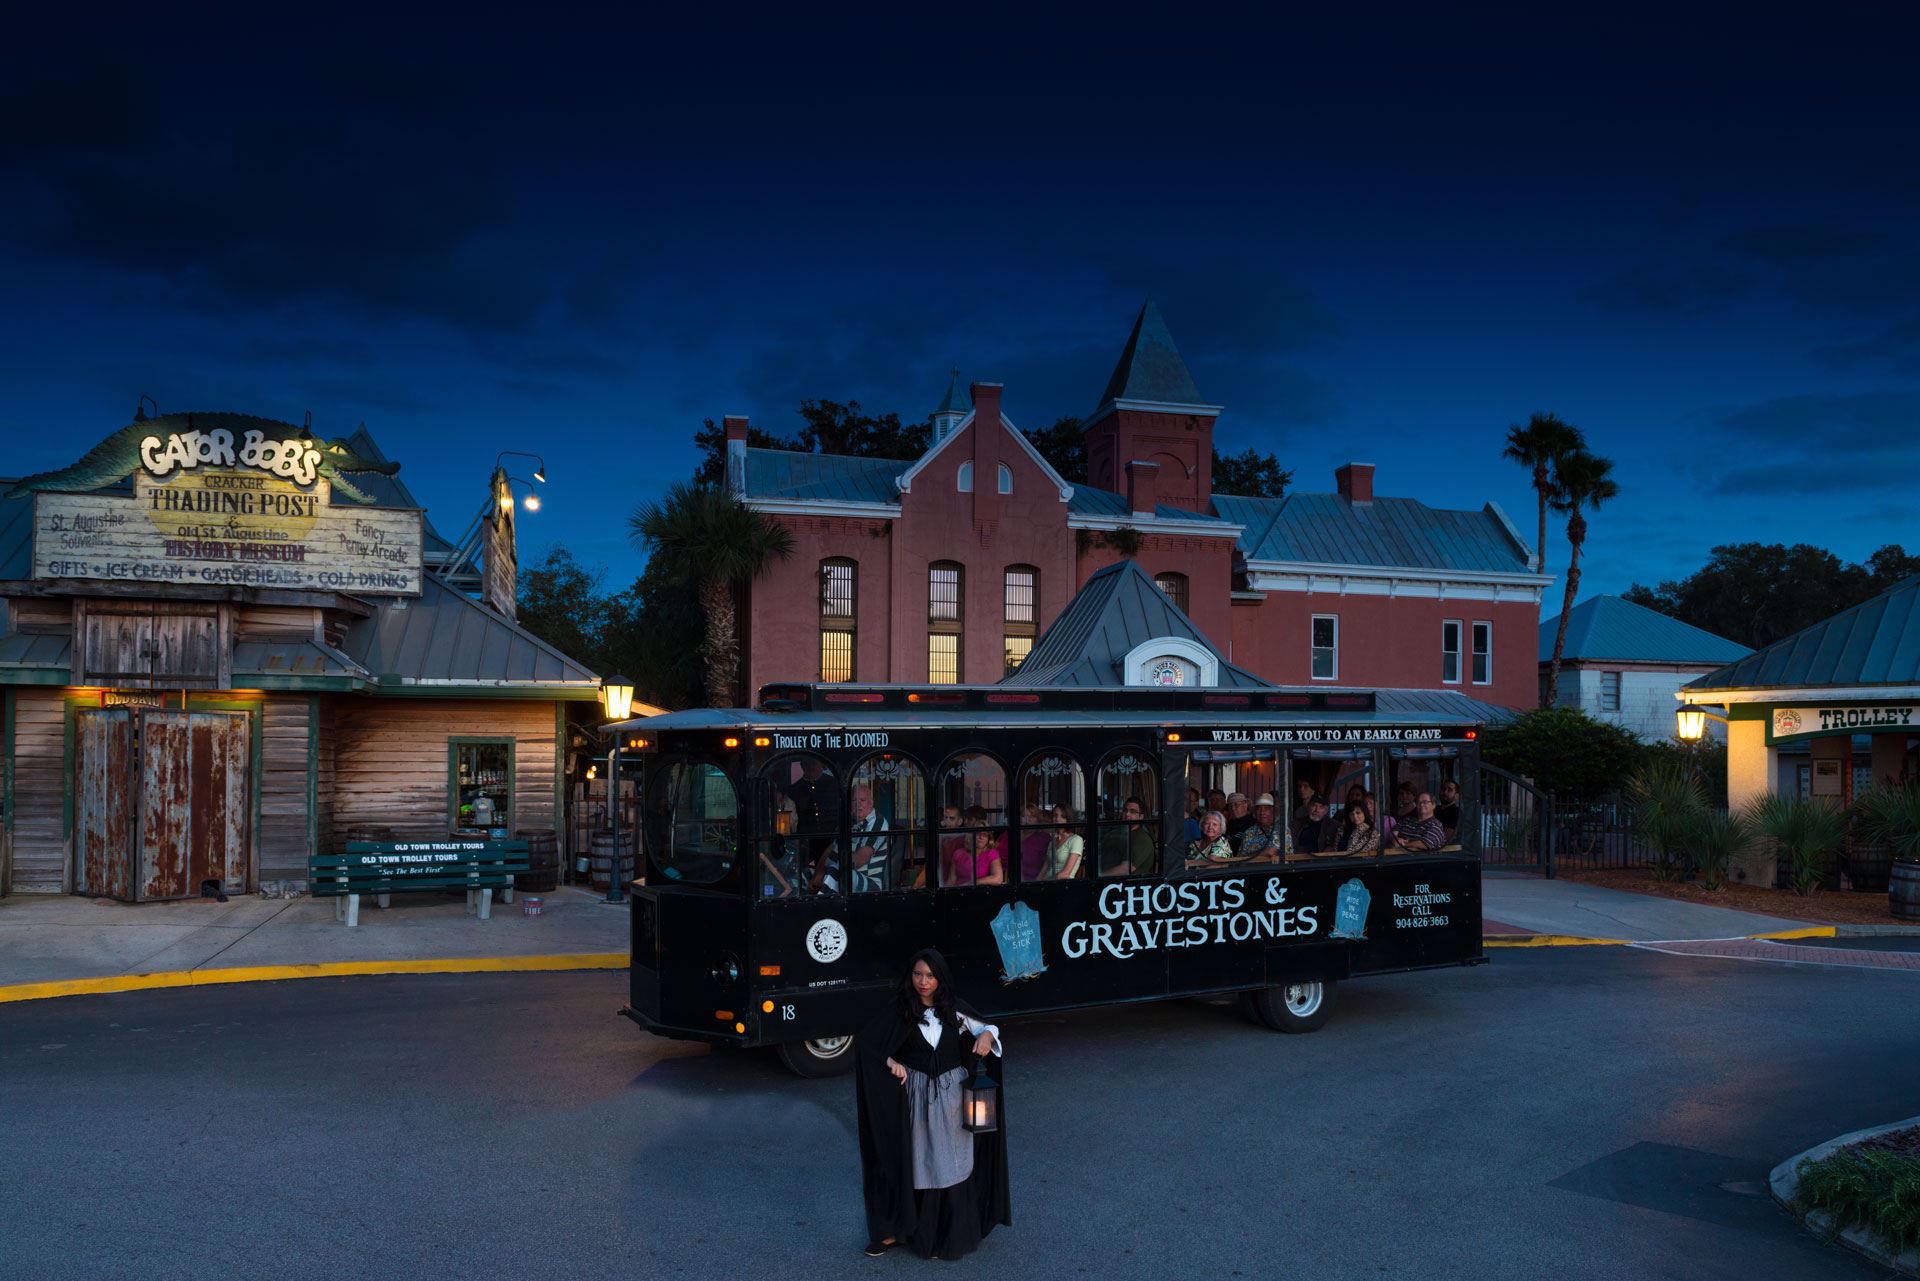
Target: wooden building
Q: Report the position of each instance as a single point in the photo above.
(224, 644)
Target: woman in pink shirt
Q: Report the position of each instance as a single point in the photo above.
(983, 859)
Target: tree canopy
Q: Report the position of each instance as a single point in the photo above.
(1757, 593)
(1564, 750)
(826, 427)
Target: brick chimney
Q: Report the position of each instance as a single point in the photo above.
(1140, 487)
(736, 425)
(1355, 482)
(986, 454)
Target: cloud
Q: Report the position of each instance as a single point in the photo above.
(1897, 347)
(1682, 290)
(1859, 423)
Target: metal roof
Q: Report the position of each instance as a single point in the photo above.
(1387, 532)
(1150, 366)
(1117, 610)
(16, 536)
(1877, 642)
(272, 662)
(443, 638)
(1088, 501)
(793, 475)
(956, 401)
(35, 658)
(1607, 627)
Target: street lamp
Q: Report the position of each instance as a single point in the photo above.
(616, 696)
(540, 464)
(1692, 724)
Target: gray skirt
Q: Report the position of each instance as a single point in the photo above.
(942, 1145)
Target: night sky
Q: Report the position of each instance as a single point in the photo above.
(1693, 237)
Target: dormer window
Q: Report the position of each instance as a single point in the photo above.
(963, 480)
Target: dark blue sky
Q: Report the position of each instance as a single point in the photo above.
(1694, 236)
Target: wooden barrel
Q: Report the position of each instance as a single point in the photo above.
(1903, 891)
(1868, 867)
(543, 861)
(601, 858)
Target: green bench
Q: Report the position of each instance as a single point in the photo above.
(385, 868)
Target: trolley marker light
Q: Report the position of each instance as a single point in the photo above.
(729, 742)
(1000, 700)
(766, 1007)
(855, 698)
(741, 1028)
(723, 1015)
(763, 741)
(769, 971)
(1173, 738)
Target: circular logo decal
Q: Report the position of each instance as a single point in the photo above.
(827, 941)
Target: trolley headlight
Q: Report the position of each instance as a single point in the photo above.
(726, 970)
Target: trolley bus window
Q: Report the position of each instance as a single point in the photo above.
(1427, 772)
(1128, 810)
(1236, 778)
(1053, 810)
(800, 854)
(887, 824)
(1345, 823)
(973, 805)
(692, 821)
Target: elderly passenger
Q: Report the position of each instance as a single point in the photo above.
(1424, 832)
(1263, 838)
(1212, 848)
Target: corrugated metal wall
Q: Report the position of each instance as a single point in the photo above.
(390, 759)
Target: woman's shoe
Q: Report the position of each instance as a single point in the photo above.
(877, 1248)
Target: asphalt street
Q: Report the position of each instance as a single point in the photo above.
(1567, 1113)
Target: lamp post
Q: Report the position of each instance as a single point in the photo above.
(540, 464)
(616, 695)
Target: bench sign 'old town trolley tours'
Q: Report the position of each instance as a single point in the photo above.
(228, 646)
(1040, 833)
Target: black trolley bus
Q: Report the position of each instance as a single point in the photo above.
(797, 854)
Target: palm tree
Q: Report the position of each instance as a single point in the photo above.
(706, 536)
(1580, 480)
(1541, 444)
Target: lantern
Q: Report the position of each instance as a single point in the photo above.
(617, 693)
(1693, 724)
(980, 1101)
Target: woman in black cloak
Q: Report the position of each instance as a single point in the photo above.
(929, 1182)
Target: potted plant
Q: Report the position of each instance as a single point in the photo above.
(1889, 816)
(1807, 832)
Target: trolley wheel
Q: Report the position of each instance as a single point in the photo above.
(1292, 1007)
(828, 1056)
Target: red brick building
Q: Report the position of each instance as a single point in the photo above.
(945, 567)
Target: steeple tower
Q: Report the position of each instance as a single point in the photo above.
(953, 408)
(1152, 412)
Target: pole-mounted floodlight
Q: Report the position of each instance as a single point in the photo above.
(540, 467)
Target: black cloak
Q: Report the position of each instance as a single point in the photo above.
(948, 1222)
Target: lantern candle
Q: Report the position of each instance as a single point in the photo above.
(980, 1101)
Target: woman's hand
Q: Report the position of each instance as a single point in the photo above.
(983, 1044)
(899, 1073)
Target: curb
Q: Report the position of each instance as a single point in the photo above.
(1784, 1183)
(318, 970)
(1809, 932)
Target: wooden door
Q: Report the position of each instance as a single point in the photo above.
(117, 648)
(147, 646)
(195, 802)
(104, 788)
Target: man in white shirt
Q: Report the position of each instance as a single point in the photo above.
(872, 866)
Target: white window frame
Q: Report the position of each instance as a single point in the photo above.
(1619, 691)
(1311, 647)
(1006, 479)
(1147, 652)
(963, 478)
(1474, 651)
(1459, 635)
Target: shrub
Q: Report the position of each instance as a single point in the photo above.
(1806, 830)
(1878, 1190)
(1718, 836)
(1563, 749)
(1668, 807)
(1889, 815)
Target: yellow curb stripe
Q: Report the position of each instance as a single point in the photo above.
(318, 970)
(1811, 932)
(1552, 940)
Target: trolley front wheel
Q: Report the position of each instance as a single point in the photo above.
(1293, 1007)
(828, 1056)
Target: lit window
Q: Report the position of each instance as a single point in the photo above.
(838, 588)
(1450, 651)
(943, 659)
(1006, 479)
(943, 592)
(1021, 613)
(1175, 586)
(1609, 691)
(1483, 653)
(1018, 647)
(1326, 647)
(964, 480)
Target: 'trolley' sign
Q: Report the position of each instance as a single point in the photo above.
(1809, 722)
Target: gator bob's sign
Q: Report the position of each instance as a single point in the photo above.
(1808, 722)
(223, 501)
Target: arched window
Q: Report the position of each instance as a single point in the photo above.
(1175, 586)
(887, 824)
(800, 851)
(963, 479)
(973, 821)
(1006, 479)
(691, 820)
(946, 601)
(839, 600)
(1128, 838)
(1021, 612)
(1051, 834)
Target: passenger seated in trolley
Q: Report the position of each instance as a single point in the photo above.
(1066, 849)
(1424, 832)
(1318, 834)
(872, 859)
(1212, 849)
(1128, 851)
(981, 856)
(1264, 836)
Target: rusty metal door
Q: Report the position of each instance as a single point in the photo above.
(104, 788)
(195, 802)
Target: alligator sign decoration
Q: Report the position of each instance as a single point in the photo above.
(222, 500)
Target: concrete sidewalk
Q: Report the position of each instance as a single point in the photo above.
(53, 938)
(1534, 905)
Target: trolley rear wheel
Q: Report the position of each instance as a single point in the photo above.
(1292, 1007)
(828, 1056)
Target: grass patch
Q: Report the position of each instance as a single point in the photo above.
(1872, 1187)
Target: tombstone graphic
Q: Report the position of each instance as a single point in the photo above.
(1350, 911)
(1016, 929)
